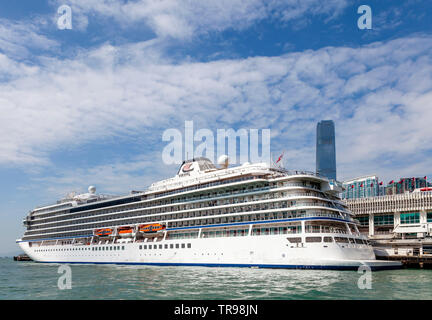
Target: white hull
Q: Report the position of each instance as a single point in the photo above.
(248, 251)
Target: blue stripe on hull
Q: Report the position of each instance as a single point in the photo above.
(229, 265)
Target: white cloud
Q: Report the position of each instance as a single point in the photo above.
(18, 37)
(117, 177)
(379, 95)
(185, 18)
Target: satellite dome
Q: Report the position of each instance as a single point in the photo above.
(223, 161)
(92, 189)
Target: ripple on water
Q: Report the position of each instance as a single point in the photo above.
(28, 280)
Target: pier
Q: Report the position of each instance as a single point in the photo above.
(418, 262)
(413, 253)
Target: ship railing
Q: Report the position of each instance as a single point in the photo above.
(202, 186)
(247, 191)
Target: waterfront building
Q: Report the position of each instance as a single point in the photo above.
(326, 149)
(404, 185)
(397, 222)
(362, 187)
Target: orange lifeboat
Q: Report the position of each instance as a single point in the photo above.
(125, 231)
(151, 228)
(103, 232)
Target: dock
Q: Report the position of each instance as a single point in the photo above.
(411, 261)
(413, 253)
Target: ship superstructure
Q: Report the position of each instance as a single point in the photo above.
(251, 215)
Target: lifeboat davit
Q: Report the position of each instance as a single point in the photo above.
(103, 232)
(151, 228)
(125, 232)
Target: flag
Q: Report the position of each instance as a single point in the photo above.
(280, 157)
(361, 185)
(425, 177)
(352, 186)
(371, 184)
(391, 182)
(381, 183)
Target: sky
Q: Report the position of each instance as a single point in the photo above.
(88, 105)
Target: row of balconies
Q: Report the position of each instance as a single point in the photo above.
(194, 212)
(195, 221)
(188, 206)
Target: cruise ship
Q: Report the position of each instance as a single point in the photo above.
(250, 215)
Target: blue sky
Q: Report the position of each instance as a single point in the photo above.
(88, 106)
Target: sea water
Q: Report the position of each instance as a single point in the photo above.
(30, 280)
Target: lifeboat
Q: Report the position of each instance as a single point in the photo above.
(125, 232)
(103, 232)
(151, 228)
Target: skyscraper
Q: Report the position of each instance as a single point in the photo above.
(326, 149)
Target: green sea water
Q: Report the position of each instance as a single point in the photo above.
(29, 280)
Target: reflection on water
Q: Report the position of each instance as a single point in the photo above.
(28, 280)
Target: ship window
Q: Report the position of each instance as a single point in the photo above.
(145, 247)
(189, 245)
(328, 239)
(183, 246)
(341, 240)
(171, 246)
(294, 240)
(140, 247)
(177, 246)
(123, 247)
(160, 246)
(313, 239)
(150, 246)
(166, 246)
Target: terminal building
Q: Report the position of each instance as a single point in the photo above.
(397, 223)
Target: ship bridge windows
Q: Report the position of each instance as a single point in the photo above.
(341, 239)
(313, 239)
(328, 239)
(294, 240)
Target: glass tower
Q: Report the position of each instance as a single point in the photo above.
(326, 149)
